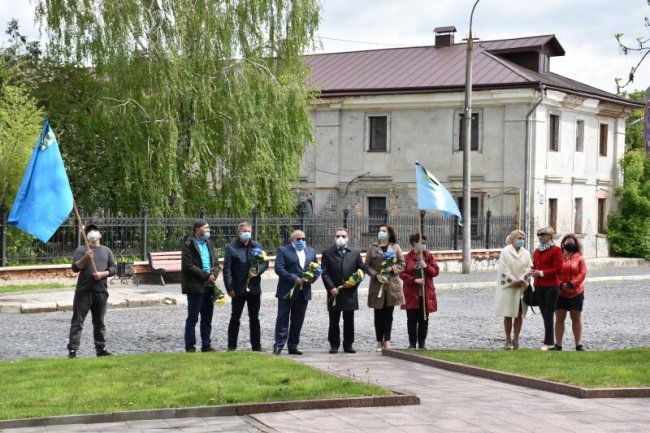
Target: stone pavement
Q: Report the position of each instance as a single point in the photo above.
(450, 402)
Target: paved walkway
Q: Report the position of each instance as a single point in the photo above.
(450, 402)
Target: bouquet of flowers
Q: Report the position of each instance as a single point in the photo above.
(217, 297)
(354, 280)
(309, 276)
(389, 260)
(258, 256)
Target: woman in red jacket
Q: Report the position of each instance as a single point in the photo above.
(572, 287)
(547, 264)
(417, 323)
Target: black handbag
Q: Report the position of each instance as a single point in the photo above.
(529, 297)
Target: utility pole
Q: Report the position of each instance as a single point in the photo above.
(467, 154)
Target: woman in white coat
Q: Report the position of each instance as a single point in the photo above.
(514, 267)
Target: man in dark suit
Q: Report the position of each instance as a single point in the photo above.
(290, 263)
(339, 262)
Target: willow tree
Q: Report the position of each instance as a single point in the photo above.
(197, 98)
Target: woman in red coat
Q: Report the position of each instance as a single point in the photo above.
(547, 264)
(572, 287)
(417, 322)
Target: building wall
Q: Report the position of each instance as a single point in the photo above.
(341, 174)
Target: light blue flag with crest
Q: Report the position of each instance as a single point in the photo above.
(432, 195)
(44, 199)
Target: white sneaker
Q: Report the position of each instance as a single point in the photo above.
(545, 347)
(380, 346)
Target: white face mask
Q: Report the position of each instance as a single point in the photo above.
(341, 242)
(93, 235)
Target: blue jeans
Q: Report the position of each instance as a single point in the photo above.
(198, 303)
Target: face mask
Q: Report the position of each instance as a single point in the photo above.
(93, 236)
(300, 245)
(245, 236)
(520, 243)
(341, 242)
(205, 236)
(382, 236)
(424, 247)
(570, 247)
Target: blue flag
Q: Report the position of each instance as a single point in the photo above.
(44, 199)
(433, 196)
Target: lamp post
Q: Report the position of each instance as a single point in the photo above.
(467, 154)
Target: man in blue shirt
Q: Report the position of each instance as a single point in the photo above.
(199, 270)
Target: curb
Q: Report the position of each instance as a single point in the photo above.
(401, 399)
(529, 382)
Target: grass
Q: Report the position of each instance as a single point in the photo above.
(26, 287)
(47, 387)
(592, 369)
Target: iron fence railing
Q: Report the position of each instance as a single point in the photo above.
(135, 236)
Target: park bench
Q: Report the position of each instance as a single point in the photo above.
(163, 262)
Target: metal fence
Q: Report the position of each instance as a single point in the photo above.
(133, 237)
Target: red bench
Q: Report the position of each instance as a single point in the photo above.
(163, 262)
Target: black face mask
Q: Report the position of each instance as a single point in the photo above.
(570, 247)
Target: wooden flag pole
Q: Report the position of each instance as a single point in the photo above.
(83, 233)
(422, 264)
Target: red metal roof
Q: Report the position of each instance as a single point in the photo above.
(431, 69)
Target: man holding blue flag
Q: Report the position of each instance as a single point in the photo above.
(44, 199)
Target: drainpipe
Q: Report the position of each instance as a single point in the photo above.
(527, 171)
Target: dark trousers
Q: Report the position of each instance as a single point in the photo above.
(253, 302)
(383, 323)
(95, 302)
(417, 327)
(547, 298)
(291, 315)
(334, 332)
(199, 303)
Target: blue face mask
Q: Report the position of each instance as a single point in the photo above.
(205, 236)
(520, 243)
(382, 236)
(300, 245)
(245, 236)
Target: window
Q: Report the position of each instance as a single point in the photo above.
(474, 126)
(603, 139)
(580, 136)
(552, 213)
(377, 137)
(376, 213)
(544, 62)
(602, 214)
(554, 132)
(577, 209)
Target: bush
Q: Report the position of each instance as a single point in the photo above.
(629, 236)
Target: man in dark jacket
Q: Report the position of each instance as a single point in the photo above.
(339, 262)
(242, 279)
(199, 270)
(95, 265)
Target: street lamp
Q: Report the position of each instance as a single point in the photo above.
(467, 154)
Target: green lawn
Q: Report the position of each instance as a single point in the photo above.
(26, 287)
(591, 369)
(46, 387)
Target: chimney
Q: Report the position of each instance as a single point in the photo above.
(444, 36)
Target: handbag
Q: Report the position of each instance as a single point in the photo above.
(529, 297)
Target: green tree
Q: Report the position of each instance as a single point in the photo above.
(182, 100)
(640, 46)
(20, 117)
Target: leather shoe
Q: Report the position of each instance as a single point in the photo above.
(295, 352)
(349, 350)
(334, 350)
(191, 349)
(276, 351)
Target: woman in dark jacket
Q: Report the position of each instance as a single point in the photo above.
(417, 321)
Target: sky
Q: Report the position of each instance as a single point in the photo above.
(584, 28)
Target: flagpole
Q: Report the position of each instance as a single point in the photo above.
(422, 264)
(83, 233)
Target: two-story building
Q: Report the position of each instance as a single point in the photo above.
(381, 110)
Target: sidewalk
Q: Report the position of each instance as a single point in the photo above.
(450, 402)
(128, 296)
